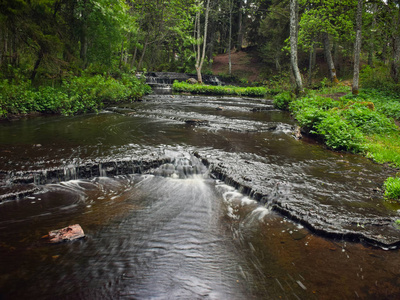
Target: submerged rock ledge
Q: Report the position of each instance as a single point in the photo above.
(272, 184)
(330, 222)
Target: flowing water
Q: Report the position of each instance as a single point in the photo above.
(185, 197)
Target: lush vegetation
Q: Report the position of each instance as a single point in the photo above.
(218, 89)
(75, 95)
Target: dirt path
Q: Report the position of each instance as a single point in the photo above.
(244, 65)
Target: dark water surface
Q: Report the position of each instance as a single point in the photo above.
(169, 212)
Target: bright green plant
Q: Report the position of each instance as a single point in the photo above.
(392, 188)
(282, 100)
(219, 90)
(339, 134)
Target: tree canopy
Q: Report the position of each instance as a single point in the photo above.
(42, 40)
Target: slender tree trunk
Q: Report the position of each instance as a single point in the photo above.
(372, 38)
(328, 56)
(240, 27)
(200, 60)
(36, 66)
(357, 48)
(310, 64)
(143, 52)
(395, 63)
(134, 58)
(84, 37)
(230, 37)
(294, 8)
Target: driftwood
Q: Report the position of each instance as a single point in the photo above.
(70, 233)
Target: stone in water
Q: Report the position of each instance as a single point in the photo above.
(70, 233)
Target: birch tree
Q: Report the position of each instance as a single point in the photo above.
(294, 8)
(200, 55)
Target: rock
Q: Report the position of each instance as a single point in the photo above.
(196, 122)
(191, 81)
(70, 233)
(297, 132)
(220, 108)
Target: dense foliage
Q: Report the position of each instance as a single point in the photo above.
(75, 95)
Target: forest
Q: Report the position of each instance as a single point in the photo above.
(48, 41)
(75, 56)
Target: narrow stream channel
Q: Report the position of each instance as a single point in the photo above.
(186, 197)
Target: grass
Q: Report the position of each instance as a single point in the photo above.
(218, 90)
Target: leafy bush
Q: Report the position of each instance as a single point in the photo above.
(392, 188)
(339, 134)
(76, 95)
(282, 100)
(219, 90)
(367, 120)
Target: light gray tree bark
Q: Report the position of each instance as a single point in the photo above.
(294, 8)
(200, 56)
(395, 62)
(230, 37)
(357, 48)
(328, 56)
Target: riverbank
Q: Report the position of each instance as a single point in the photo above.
(218, 89)
(363, 124)
(74, 95)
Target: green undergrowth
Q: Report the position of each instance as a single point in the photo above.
(75, 95)
(361, 124)
(218, 89)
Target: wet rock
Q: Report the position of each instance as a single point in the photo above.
(191, 81)
(70, 233)
(197, 122)
(297, 132)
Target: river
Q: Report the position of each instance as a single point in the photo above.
(188, 197)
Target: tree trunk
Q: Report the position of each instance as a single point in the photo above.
(143, 53)
(36, 66)
(134, 57)
(230, 38)
(357, 48)
(310, 65)
(294, 8)
(200, 61)
(84, 37)
(328, 56)
(395, 63)
(372, 38)
(240, 27)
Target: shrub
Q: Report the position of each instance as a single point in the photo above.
(339, 134)
(219, 90)
(76, 95)
(282, 100)
(392, 188)
(368, 121)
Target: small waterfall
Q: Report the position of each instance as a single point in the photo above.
(185, 166)
(161, 82)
